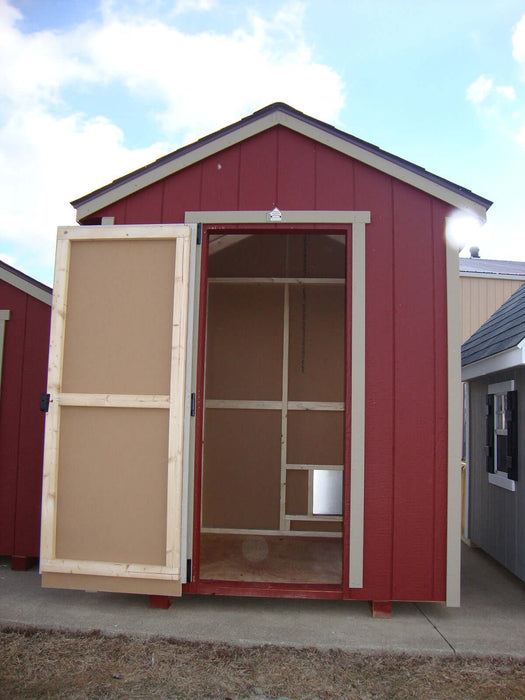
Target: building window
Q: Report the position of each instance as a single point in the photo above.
(502, 435)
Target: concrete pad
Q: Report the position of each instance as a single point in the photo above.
(491, 619)
(480, 626)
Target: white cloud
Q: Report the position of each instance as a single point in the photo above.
(506, 91)
(194, 6)
(518, 42)
(47, 161)
(480, 89)
(492, 102)
(206, 80)
(196, 83)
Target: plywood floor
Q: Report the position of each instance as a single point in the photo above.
(270, 559)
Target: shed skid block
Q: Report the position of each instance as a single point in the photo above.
(381, 608)
(159, 602)
(22, 563)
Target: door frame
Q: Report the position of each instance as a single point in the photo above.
(353, 223)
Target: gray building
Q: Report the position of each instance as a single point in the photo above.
(493, 365)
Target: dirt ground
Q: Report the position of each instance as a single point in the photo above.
(44, 664)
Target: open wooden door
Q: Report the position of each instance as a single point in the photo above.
(113, 459)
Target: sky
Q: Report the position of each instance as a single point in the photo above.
(93, 89)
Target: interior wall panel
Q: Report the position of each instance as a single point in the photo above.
(242, 469)
(244, 342)
(120, 308)
(112, 485)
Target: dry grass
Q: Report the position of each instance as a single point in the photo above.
(45, 664)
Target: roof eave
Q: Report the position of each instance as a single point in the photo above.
(273, 115)
(508, 359)
(26, 284)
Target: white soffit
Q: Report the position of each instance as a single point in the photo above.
(305, 127)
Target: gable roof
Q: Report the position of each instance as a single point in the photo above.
(266, 118)
(499, 342)
(26, 284)
(500, 269)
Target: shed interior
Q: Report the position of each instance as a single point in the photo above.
(274, 388)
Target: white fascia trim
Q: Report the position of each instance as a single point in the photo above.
(455, 423)
(298, 125)
(4, 316)
(26, 286)
(358, 402)
(495, 363)
(288, 217)
(492, 276)
(502, 387)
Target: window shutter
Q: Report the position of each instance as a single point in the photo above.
(512, 435)
(489, 446)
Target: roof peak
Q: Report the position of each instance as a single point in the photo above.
(280, 113)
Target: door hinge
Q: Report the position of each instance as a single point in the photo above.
(44, 402)
(199, 234)
(192, 405)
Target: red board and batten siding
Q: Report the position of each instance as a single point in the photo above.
(406, 330)
(24, 377)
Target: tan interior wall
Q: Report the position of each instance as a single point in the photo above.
(279, 255)
(111, 503)
(256, 256)
(119, 322)
(315, 437)
(317, 344)
(296, 492)
(241, 475)
(241, 466)
(244, 342)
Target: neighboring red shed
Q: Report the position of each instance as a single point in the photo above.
(301, 437)
(25, 312)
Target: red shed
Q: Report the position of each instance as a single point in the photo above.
(254, 374)
(25, 311)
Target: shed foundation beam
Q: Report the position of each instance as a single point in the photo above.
(159, 602)
(381, 608)
(22, 563)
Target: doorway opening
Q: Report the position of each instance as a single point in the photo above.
(273, 423)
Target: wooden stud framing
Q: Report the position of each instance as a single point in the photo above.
(54, 386)
(314, 281)
(243, 404)
(174, 403)
(104, 568)
(333, 467)
(284, 405)
(177, 401)
(264, 533)
(319, 518)
(114, 400)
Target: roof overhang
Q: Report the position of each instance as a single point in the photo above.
(267, 118)
(25, 283)
(513, 357)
